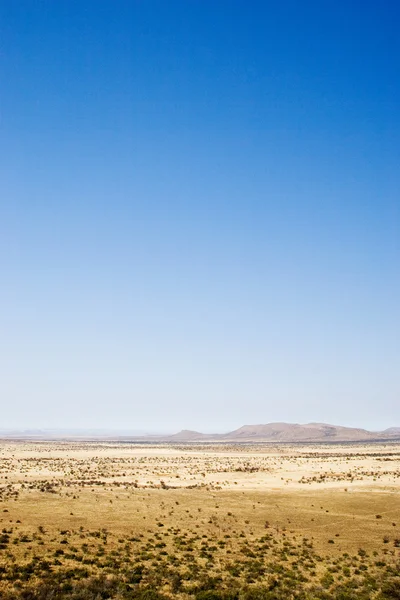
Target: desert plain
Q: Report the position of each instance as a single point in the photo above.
(91, 520)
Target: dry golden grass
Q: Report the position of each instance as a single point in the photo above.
(340, 500)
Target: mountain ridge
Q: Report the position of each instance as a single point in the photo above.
(291, 432)
(279, 432)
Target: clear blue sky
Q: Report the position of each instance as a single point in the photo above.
(200, 213)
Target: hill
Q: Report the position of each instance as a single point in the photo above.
(291, 432)
(186, 435)
(270, 432)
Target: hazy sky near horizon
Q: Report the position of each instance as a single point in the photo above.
(199, 213)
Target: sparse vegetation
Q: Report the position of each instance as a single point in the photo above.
(91, 521)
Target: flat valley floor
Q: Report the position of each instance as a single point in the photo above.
(91, 520)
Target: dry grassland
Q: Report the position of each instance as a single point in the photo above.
(115, 520)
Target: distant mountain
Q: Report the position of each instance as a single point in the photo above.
(392, 431)
(298, 433)
(270, 432)
(186, 435)
(290, 432)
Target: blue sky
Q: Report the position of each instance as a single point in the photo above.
(199, 213)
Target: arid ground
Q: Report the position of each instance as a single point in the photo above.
(121, 520)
